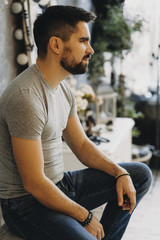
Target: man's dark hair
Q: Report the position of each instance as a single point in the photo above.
(59, 21)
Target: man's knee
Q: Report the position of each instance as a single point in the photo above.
(142, 176)
(140, 173)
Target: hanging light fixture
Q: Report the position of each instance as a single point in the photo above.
(22, 59)
(44, 3)
(18, 34)
(16, 7)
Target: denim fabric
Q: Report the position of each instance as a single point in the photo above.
(91, 188)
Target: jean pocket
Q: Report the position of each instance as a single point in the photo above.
(67, 189)
(23, 205)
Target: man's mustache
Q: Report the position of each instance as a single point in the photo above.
(87, 56)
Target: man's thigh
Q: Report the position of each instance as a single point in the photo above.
(93, 187)
(62, 227)
(58, 226)
(38, 222)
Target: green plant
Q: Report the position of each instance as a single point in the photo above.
(114, 36)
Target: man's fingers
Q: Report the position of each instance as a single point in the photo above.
(132, 204)
(95, 228)
(132, 200)
(120, 198)
(127, 202)
(127, 188)
(100, 235)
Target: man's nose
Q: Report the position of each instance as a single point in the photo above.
(90, 49)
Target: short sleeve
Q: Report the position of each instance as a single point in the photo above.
(73, 110)
(25, 115)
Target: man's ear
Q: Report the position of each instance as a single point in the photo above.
(56, 45)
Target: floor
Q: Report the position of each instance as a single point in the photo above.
(145, 222)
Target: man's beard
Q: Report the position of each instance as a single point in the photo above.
(73, 67)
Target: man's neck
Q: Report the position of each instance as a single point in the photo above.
(52, 71)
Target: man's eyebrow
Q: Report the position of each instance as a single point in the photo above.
(84, 38)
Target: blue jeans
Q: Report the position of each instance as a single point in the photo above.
(27, 218)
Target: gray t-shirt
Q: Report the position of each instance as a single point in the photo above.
(31, 109)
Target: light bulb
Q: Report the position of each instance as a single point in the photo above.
(22, 59)
(18, 34)
(16, 7)
(44, 3)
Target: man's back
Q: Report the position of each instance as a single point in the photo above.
(29, 109)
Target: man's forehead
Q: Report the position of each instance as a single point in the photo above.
(82, 30)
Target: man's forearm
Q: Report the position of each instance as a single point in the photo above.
(90, 156)
(29, 158)
(48, 194)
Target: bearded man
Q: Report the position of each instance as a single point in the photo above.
(39, 200)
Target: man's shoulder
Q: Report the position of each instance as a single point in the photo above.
(24, 86)
(21, 79)
(25, 80)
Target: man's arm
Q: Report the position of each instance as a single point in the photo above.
(29, 159)
(90, 156)
(86, 151)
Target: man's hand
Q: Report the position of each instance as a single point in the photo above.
(95, 228)
(125, 188)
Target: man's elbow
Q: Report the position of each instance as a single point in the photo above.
(33, 186)
(30, 187)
